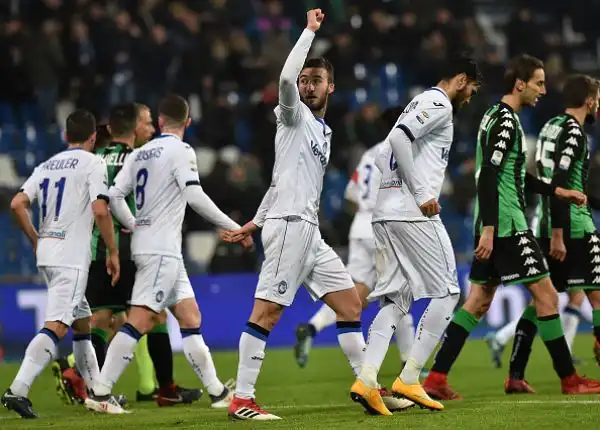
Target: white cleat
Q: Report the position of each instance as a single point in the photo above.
(223, 400)
(104, 405)
(396, 405)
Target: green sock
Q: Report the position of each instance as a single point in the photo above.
(596, 322)
(465, 319)
(146, 384)
(71, 360)
(551, 332)
(457, 333)
(529, 314)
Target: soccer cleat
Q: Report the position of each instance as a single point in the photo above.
(141, 397)
(392, 403)
(576, 384)
(517, 386)
(436, 385)
(21, 405)
(496, 349)
(66, 384)
(224, 399)
(247, 409)
(369, 398)
(597, 352)
(415, 393)
(304, 340)
(104, 404)
(176, 395)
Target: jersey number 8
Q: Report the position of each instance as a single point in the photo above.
(140, 188)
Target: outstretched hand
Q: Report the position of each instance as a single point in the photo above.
(572, 196)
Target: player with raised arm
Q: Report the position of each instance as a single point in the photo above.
(414, 255)
(566, 233)
(71, 189)
(361, 195)
(295, 253)
(505, 249)
(164, 178)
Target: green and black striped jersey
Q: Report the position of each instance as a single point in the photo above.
(500, 172)
(114, 155)
(562, 158)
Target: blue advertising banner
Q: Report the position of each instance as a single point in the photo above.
(226, 302)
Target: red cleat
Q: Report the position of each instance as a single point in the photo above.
(247, 409)
(517, 386)
(436, 385)
(576, 384)
(76, 383)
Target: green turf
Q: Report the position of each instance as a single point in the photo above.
(317, 397)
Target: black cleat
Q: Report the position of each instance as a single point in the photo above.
(139, 397)
(188, 395)
(21, 405)
(304, 339)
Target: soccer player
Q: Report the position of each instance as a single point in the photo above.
(295, 253)
(361, 194)
(414, 255)
(163, 176)
(566, 233)
(71, 188)
(505, 249)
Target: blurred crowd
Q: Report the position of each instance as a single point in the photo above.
(225, 57)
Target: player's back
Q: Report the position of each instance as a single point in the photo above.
(63, 190)
(427, 122)
(159, 202)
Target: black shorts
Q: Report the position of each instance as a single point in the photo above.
(581, 268)
(516, 259)
(100, 294)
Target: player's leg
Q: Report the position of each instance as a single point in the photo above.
(571, 316)
(86, 362)
(147, 389)
(594, 298)
(405, 335)
(525, 332)
(497, 341)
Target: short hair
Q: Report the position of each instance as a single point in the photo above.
(578, 88)
(175, 109)
(81, 125)
(522, 67)
(462, 63)
(320, 63)
(391, 115)
(103, 136)
(122, 119)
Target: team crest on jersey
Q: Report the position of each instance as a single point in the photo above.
(565, 162)
(159, 296)
(282, 287)
(497, 157)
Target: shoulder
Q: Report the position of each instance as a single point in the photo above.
(435, 99)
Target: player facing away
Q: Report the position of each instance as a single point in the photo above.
(505, 249)
(164, 178)
(414, 255)
(130, 126)
(295, 253)
(361, 195)
(567, 234)
(71, 189)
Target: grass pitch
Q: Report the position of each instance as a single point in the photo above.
(317, 397)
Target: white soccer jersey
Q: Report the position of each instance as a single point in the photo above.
(427, 121)
(65, 186)
(362, 190)
(157, 174)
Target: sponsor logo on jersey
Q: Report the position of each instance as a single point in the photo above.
(497, 157)
(568, 151)
(596, 259)
(500, 144)
(526, 251)
(565, 162)
(445, 154)
(596, 280)
(596, 269)
(523, 240)
(425, 114)
(572, 141)
(575, 131)
(504, 134)
(421, 120)
(575, 281)
(509, 277)
(438, 104)
(530, 261)
(595, 249)
(318, 153)
(53, 234)
(506, 114)
(139, 222)
(594, 239)
(507, 124)
(533, 271)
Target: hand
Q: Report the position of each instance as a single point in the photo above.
(314, 18)
(113, 267)
(558, 250)
(571, 196)
(486, 244)
(125, 230)
(247, 242)
(234, 236)
(430, 208)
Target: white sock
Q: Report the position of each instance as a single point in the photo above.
(506, 333)
(323, 318)
(118, 356)
(380, 334)
(431, 328)
(352, 342)
(198, 355)
(40, 351)
(570, 319)
(405, 336)
(85, 358)
(252, 353)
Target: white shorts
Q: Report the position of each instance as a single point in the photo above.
(361, 262)
(66, 294)
(414, 260)
(160, 282)
(295, 253)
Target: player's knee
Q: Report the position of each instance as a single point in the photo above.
(118, 320)
(266, 314)
(594, 298)
(58, 327)
(102, 319)
(141, 318)
(82, 326)
(477, 303)
(161, 318)
(350, 310)
(186, 312)
(576, 297)
(545, 297)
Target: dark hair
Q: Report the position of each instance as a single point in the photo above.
(103, 136)
(461, 63)
(174, 109)
(320, 63)
(522, 67)
(81, 125)
(578, 88)
(391, 115)
(122, 119)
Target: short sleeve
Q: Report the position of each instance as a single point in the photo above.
(421, 117)
(31, 186)
(98, 180)
(185, 168)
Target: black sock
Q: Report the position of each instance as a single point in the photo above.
(453, 342)
(312, 330)
(551, 332)
(524, 336)
(159, 348)
(99, 338)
